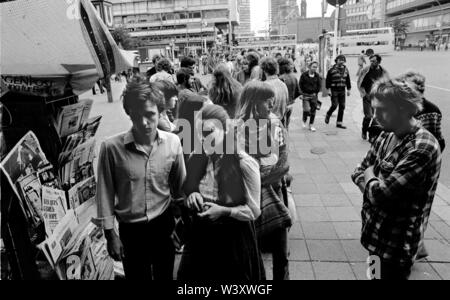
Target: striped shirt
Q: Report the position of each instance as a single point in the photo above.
(403, 192)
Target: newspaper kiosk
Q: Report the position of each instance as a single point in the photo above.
(56, 51)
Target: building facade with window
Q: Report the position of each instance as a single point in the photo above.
(245, 21)
(428, 20)
(280, 13)
(173, 27)
(364, 14)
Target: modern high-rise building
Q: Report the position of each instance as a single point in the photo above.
(280, 13)
(245, 21)
(428, 20)
(303, 9)
(364, 14)
(176, 26)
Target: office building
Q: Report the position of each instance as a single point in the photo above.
(173, 27)
(364, 14)
(245, 22)
(429, 21)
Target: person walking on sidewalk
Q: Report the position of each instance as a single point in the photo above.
(366, 80)
(399, 177)
(361, 62)
(139, 172)
(338, 80)
(310, 87)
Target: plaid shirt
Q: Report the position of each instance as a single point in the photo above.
(404, 190)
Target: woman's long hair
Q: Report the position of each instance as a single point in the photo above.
(230, 173)
(225, 90)
(253, 93)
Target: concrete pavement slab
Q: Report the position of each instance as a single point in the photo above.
(296, 232)
(326, 250)
(333, 271)
(313, 214)
(343, 214)
(298, 251)
(348, 230)
(354, 251)
(312, 200)
(439, 251)
(424, 271)
(442, 269)
(319, 231)
(301, 271)
(335, 200)
(442, 228)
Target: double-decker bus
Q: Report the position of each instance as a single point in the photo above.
(380, 40)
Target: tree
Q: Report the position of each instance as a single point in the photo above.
(401, 30)
(123, 37)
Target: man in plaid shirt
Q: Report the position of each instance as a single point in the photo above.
(398, 177)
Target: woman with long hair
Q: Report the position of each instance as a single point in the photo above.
(224, 90)
(223, 189)
(275, 220)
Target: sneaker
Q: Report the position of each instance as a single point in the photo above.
(341, 126)
(327, 119)
(312, 129)
(304, 125)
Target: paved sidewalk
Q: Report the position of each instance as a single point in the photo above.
(324, 243)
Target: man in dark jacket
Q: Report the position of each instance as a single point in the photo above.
(286, 67)
(310, 86)
(338, 80)
(368, 76)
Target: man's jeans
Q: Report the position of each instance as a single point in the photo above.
(368, 114)
(337, 99)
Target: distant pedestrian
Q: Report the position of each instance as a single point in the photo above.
(310, 87)
(197, 85)
(361, 62)
(286, 67)
(337, 82)
(163, 68)
(250, 69)
(368, 77)
(152, 71)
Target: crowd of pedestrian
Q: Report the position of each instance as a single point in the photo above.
(208, 166)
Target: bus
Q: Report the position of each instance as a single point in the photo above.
(380, 40)
(275, 44)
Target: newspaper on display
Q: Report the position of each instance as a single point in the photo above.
(59, 202)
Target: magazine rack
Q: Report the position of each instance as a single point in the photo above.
(27, 113)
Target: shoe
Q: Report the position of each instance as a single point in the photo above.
(312, 129)
(341, 126)
(327, 119)
(364, 136)
(304, 125)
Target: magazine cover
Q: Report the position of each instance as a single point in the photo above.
(54, 207)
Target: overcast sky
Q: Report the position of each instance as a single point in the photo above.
(260, 9)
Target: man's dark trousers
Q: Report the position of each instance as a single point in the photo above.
(149, 249)
(368, 114)
(337, 100)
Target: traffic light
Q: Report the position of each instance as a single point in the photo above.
(227, 39)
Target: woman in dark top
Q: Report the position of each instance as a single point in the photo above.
(310, 86)
(288, 77)
(223, 195)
